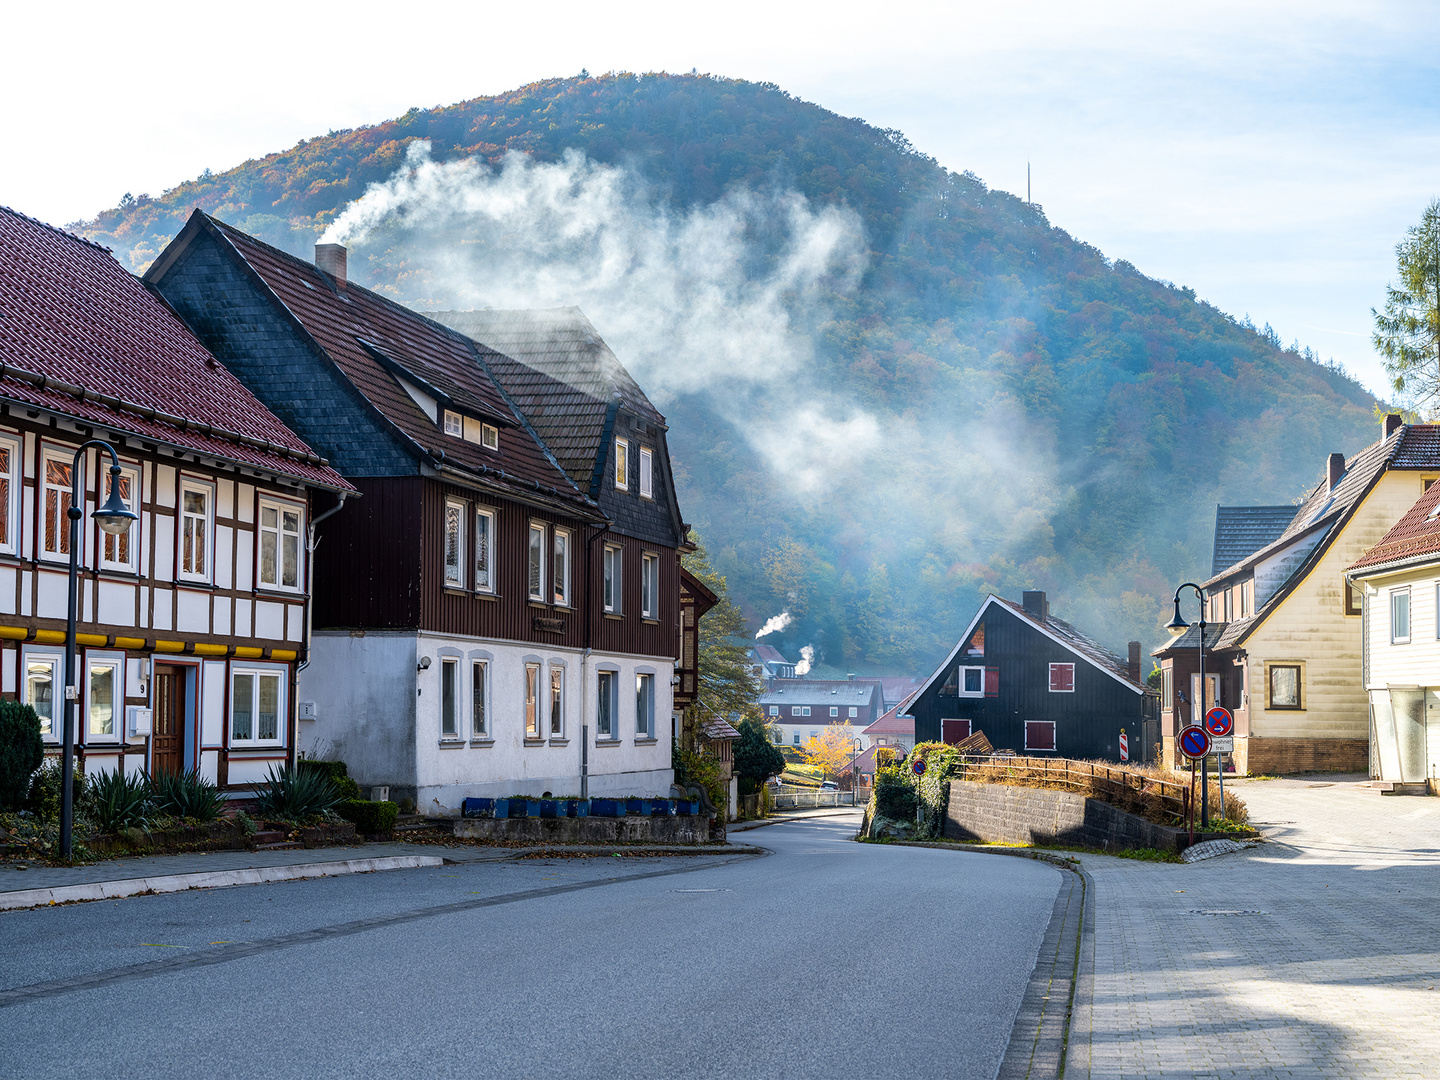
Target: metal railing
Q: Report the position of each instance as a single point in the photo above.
(786, 797)
(1120, 787)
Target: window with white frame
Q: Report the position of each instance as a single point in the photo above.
(121, 551)
(794, 710)
(454, 424)
(970, 682)
(42, 676)
(647, 474)
(649, 586)
(622, 464)
(854, 712)
(560, 566)
(57, 474)
(805, 710)
(557, 701)
(1039, 734)
(607, 683)
(796, 739)
(257, 706)
(613, 561)
(774, 710)
(197, 529)
(479, 684)
(1062, 678)
(490, 437)
(484, 543)
(11, 484)
(644, 706)
(834, 710)
(1399, 616)
(537, 561)
(455, 543)
(279, 528)
(532, 701)
(449, 707)
(104, 691)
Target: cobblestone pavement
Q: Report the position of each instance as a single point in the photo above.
(1321, 957)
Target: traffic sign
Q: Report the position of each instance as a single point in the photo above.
(1219, 722)
(1224, 744)
(918, 766)
(1124, 747)
(1194, 743)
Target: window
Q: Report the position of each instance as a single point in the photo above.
(794, 710)
(537, 561)
(58, 473)
(484, 541)
(854, 712)
(647, 478)
(11, 484)
(119, 552)
(256, 698)
(197, 520)
(805, 710)
(454, 543)
(1167, 688)
(454, 424)
(1247, 598)
(645, 706)
(613, 561)
(970, 682)
(649, 586)
(1039, 734)
(797, 738)
(532, 701)
(605, 715)
(42, 674)
(479, 674)
(1062, 678)
(490, 437)
(449, 670)
(101, 684)
(622, 464)
(1400, 616)
(774, 710)
(1354, 596)
(279, 545)
(557, 700)
(834, 710)
(952, 731)
(1284, 686)
(561, 567)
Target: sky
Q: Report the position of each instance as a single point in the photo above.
(1269, 156)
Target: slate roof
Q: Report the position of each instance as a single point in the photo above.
(1414, 538)
(1189, 638)
(1074, 639)
(718, 731)
(82, 337)
(560, 374)
(768, 654)
(371, 339)
(818, 692)
(1243, 530)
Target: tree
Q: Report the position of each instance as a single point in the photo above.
(832, 750)
(727, 688)
(21, 752)
(1407, 335)
(755, 755)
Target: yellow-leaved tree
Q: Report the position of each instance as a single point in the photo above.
(831, 750)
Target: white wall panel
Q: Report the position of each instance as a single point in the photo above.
(269, 619)
(117, 603)
(222, 616)
(164, 549)
(7, 590)
(162, 609)
(242, 618)
(165, 485)
(224, 538)
(245, 502)
(244, 560)
(192, 612)
(212, 692)
(52, 597)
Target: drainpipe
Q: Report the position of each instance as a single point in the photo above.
(585, 724)
(312, 541)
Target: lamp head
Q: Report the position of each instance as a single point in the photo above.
(1178, 623)
(114, 517)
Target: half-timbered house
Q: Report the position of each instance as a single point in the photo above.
(192, 623)
(500, 613)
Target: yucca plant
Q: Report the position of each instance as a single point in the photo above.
(119, 802)
(295, 794)
(187, 795)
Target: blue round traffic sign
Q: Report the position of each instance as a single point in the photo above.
(918, 766)
(1194, 742)
(1219, 722)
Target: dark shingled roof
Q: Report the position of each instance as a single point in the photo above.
(82, 337)
(1414, 538)
(1074, 639)
(1244, 530)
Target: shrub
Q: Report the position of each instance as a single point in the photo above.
(119, 802)
(895, 796)
(339, 774)
(294, 794)
(21, 752)
(44, 799)
(369, 817)
(187, 795)
(692, 767)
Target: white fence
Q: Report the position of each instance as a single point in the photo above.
(787, 797)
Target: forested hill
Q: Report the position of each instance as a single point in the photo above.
(1025, 412)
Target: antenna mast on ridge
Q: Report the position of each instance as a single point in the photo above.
(1027, 183)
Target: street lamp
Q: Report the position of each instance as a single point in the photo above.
(857, 746)
(114, 518)
(1178, 624)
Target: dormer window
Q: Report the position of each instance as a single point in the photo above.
(490, 437)
(454, 424)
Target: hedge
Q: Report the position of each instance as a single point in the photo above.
(338, 772)
(21, 752)
(369, 817)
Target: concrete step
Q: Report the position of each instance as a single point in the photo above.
(281, 846)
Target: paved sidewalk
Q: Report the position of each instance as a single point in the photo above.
(1316, 953)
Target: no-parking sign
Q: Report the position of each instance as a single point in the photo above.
(1219, 722)
(1194, 742)
(918, 766)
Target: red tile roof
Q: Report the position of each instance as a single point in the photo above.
(892, 723)
(1414, 538)
(82, 337)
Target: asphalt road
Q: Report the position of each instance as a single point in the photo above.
(826, 958)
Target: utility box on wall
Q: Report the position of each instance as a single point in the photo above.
(307, 710)
(140, 719)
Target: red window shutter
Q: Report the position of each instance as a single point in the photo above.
(992, 682)
(952, 731)
(1039, 735)
(1062, 678)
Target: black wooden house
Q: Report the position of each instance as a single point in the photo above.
(1036, 685)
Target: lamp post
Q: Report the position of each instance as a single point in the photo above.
(854, 774)
(1178, 624)
(114, 518)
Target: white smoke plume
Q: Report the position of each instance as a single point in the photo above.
(807, 655)
(774, 625)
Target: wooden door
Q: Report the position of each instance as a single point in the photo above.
(167, 738)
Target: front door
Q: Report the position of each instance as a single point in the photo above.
(167, 739)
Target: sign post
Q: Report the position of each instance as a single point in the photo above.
(918, 768)
(1218, 724)
(1194, 743)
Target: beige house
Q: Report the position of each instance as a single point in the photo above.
(1283, 641)
(1399, 583)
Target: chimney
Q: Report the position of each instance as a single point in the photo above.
(851, 676)
(1337, 469)
(1134, 664)
(331, 258)
(1034, 604)
(1392, 422)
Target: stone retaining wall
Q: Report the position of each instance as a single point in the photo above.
(1006, 814)
(664, 829)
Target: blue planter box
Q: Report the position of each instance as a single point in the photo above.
(634, 806)
(477, 808)
(502, 808)
(532, 808)
(518, 807)
(575, 808)
(688, 807)
(606, 808)
(550, 808)
(660, 808)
